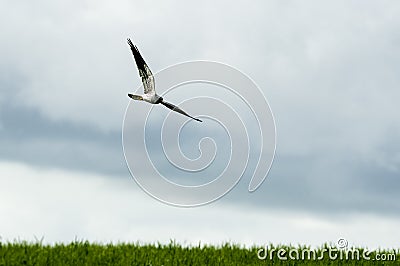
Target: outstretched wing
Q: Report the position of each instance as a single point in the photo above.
(144, 70)
(177, 109)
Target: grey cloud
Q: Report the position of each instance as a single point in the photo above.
(314, 184)
(28, 137)
(330, 72)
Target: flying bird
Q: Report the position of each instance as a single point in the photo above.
(150, 94)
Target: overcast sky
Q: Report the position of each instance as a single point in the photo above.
(330, 72)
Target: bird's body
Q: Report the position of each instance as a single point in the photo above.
(150, 94)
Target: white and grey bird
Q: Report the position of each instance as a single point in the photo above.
(150, 94)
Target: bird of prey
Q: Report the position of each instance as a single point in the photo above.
(150, 94)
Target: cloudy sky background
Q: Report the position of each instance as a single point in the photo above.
(329, 71)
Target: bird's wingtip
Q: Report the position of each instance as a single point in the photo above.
(129, 42)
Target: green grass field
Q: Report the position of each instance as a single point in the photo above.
(85, 253)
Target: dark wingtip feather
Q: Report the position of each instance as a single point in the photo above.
(130, 43)
(135, 51)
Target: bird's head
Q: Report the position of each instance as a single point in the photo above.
(135, 97)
